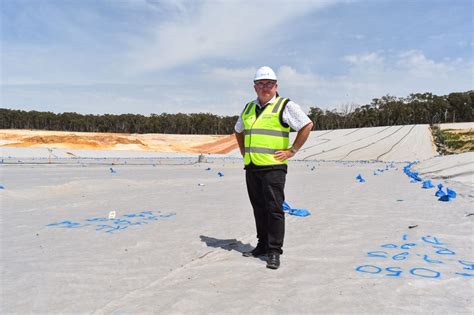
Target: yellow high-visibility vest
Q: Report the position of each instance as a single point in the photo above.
(264, 135)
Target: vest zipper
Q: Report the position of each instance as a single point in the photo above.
(250, 140)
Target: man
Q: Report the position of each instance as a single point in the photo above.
(262, 132)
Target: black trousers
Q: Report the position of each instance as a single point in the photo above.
(266, 193)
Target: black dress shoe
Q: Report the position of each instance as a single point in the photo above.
(273, 261)
(256, 252)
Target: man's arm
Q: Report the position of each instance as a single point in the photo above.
(240, 141)
(301, 138)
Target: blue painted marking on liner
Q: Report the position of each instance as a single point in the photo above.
(363, 268)
(436, 274)
(401, 256)
(431, 241)
(432, 261)
(67, 224)
(117, 224)
(444, 251)
(407, 246)
(470, 264)
(377, 254)
(389, 246)
(396, 273)
(465, 274)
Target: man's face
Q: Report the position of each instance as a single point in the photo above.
(265, 89)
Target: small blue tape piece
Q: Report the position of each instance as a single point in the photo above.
(297, 212)
(451, 193)
(440, 192)
(413, 175)
(427, 184)
(444, 198)
(360, 178)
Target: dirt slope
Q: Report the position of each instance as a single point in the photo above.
(116, 141)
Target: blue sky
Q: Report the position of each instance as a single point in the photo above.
(153, 56)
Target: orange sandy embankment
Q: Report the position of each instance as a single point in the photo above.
(118, 141)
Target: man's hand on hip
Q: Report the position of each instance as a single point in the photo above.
(283, 155)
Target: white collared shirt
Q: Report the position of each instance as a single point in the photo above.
(293, 115)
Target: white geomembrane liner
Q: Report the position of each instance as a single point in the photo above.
(174, 246)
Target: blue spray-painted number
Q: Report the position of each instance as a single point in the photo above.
(432, 261)
(419, 272)
(396, 273)
(401, 256)
(469, 264)
(444, 251)
(389, 246)
(67, 225)
(110, 228)
(465, 274)
(378, 253)
(431, 240)
(113, 225)
(369, 269)
(407, 246)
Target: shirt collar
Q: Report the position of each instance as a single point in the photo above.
(269, 102)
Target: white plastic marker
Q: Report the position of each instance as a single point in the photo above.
(112, 215)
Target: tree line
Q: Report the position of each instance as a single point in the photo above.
(421, 108)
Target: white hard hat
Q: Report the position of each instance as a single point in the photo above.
(265, 73)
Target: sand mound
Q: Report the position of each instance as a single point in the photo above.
(464, 125)
(112, 141)
(74, 141)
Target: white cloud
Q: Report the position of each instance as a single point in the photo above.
(373, 75)
(225, 90)
(228, 74)
(287, 76)
(416, 63)
(363, 59)
(217, 29)
(193, 56)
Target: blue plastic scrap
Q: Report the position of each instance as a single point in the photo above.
(208, 169)
(360, 178)
(112, 170)
(2, 187)
(220, 174)
(413, 175)
(445, 196)
(440, 192)
(442, 196)
(451, 193)
(298, 212)
(427, 184)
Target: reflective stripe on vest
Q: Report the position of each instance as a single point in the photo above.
(264, 135)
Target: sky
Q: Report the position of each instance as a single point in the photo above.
(170, 56)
